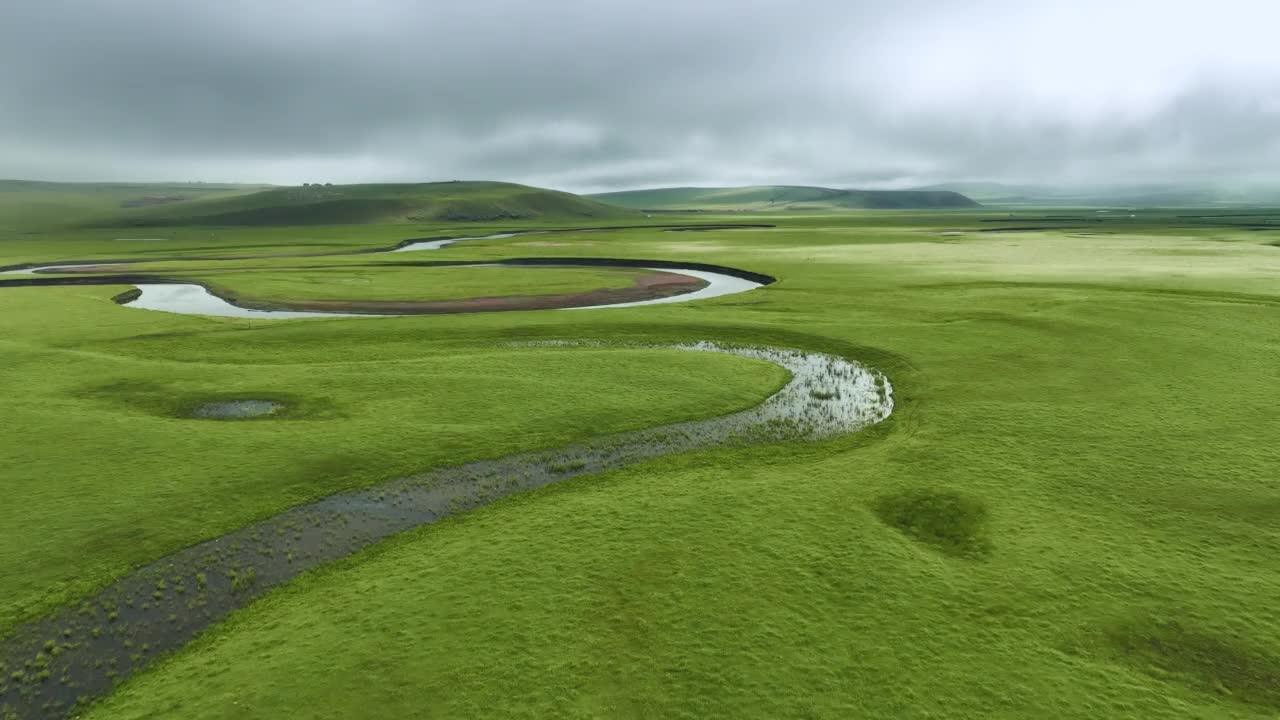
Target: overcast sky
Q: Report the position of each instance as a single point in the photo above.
(605, 94)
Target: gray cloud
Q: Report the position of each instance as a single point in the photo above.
(597, 94)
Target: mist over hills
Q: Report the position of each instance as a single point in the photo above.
(1145, 195)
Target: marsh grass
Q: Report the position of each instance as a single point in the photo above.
(566, 466)
(242, 580)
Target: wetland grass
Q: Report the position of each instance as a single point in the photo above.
(1092, 412)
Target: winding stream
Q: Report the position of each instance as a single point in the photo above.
(55, 665)
(192, 299)
(189, 298)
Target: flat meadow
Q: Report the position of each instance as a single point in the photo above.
(1070, 513)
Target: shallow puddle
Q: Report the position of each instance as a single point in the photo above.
(437, 244)
(235, 409)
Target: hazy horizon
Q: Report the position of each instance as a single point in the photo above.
(593, 97)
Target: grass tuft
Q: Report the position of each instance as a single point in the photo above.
(566, 467)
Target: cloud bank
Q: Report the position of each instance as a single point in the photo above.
(603, 94)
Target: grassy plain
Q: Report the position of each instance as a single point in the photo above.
(115, 383)
(1071, 514)
(409, 283)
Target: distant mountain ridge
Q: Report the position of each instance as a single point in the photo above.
(1145, 195)
(374, 203)
(782, 198)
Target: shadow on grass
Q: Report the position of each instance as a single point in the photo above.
(1202, 661)
(173, 401)
(946, 521)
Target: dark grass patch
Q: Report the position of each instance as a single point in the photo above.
(127, 296)
(171, 400)
(946, 521)
(1246, 507)
(1200, 660)
(149, 200)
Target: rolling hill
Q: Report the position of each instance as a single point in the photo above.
(782, 198)
(377, 203)
(28, 203)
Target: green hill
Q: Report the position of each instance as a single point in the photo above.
(380, 203)
(783, 198)
(28, 203)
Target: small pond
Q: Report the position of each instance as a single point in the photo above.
(237, 409)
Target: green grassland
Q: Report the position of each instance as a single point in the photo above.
(36, 205)
(1069, 515)
(782, 198)
(351, 204)
(145, 479)
(345, 282)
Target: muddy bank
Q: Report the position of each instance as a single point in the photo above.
(58, 664)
